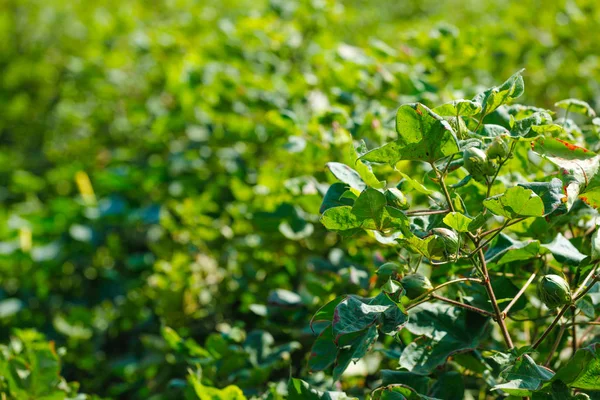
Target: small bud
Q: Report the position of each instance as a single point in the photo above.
(415, 285)
(396, 199)
(554, 291)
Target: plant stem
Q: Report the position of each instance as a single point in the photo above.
(491, 183)
(551, 326)
(425, 212)
(514, 221)
(574, 332)
(425, 295)
(484, 271)
(481, 246)
(514, 300)
(444, 188)
(555, 345)
(490, 292)
(463, 305)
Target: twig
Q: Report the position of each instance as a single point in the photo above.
(425, 212)
(514, 221)
(481, 246)
(417, 300)
(492, 296)
(514, 300)
(555, 345)
(463, 305)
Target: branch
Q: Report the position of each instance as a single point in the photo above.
(514, 300)
(427, 294)
(492, 296)
(425, 212)
(489, 240)
(463, 305)
(514, 221)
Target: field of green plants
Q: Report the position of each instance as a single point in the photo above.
(299, 199)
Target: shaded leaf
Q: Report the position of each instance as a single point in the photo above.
(564, 252)
(507, 249)
(524, 377)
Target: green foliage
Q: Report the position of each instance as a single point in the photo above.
(441, 336)
(183, 184)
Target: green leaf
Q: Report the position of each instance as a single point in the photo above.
(300, 390)
(595, 245)
(496, 96)
(579, 169)
(551, 194)
(457, 221)
(209, 393)
(576, 106)
(339, 219)
(344, 220)
(409, 183)
(443, 331)
(516, 202)
(397, 392)
(507, 249)
(351, 158)
(325, 313)
(581, 371)
(324, 351)
(449, 386)
(418, 382)
(353, 315)
(522, 127)
(564, 252)
(422, 136)
(354, 351)
(460, 107)
(347, 175)
(335, 197)
(369, 205)
(524, 377)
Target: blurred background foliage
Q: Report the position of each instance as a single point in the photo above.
(162, 167)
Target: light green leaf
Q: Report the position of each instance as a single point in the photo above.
(422, 136)
(461, 107)
(339, 219)
(496, 96)
(409, 183)
(581, 371)
(457, 221)
(551, 194)
(576, 106)
(516, 202)
(210, 393)
(369, 205)
(579, 169)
